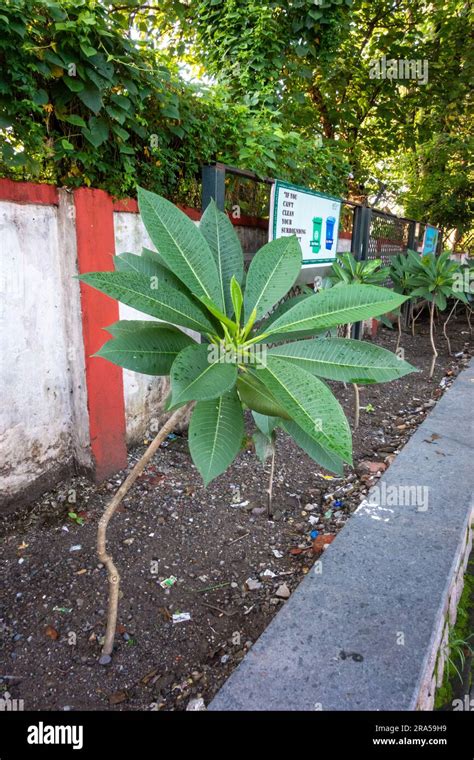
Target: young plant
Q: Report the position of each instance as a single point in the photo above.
(463, 283)
(195, 281)
(402, 282)
(348, 271)
(433, 279)
(264, 440)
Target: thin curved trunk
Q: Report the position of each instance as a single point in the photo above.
(104, 557)
(357, 405)
(435, 353)
(445, 325)
(414, 318)
(270, 484)
(399, 337)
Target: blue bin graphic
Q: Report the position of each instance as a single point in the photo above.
(330, 222)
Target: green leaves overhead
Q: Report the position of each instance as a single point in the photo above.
(222, 239)
(337, 306)
(350, 361)
(215, 434)
(311, 405)
(181, 245)
(150, 349)
(164, 302)
(198, 374)
(271, 274)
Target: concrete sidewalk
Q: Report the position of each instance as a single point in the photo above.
(365, 632)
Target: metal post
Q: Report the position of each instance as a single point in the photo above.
(213, 185)
(411, 235)
(360, 247)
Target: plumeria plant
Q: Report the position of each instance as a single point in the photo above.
(434, 279)
(216, 334)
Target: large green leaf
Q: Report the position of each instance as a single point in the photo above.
(130, 262)
(164, 302)
(351, 361)
(322, 456)
(198, 374)
(219, 232)
(281, 309)
(257, 397)
(181, 245)
(150, 350)
(147, 253)
(264, 445)
(273, 270)
(311, 405)
(215, 434)
(133, 325)
(265, 424)
(337, 306)
(149, 265)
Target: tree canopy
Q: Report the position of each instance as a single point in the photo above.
(339, 95)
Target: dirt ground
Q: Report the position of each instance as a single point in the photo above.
(233, 566)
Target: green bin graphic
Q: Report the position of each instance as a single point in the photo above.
(315, 243)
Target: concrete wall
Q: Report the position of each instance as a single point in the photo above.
(42, 401)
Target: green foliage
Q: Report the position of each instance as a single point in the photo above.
(400, 273)
(317, 64)
(459, 642)
(348, 270)
(434, 278)
(88, 97)
(232, 368)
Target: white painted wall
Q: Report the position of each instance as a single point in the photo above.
(42, 425)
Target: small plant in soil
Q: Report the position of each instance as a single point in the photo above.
(433, 278)
(347, 270)
(234, 354)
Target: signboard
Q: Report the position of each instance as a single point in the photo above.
(430, 240)
(312, 217)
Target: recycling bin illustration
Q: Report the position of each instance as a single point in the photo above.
(330, 222)
(315, 243)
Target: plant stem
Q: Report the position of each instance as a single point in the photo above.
(445, 325)
(435, 353)
(399, 323)
(104, 557)
(414, 318)
(357, 405)
(270, 484)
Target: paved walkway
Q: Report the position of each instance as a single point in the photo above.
(359, 635)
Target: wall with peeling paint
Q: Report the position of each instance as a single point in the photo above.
(41, 347)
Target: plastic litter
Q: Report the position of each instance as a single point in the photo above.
(314, 534)
(168, 582)
(181, 617)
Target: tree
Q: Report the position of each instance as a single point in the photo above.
(195, 281)
(317, 63)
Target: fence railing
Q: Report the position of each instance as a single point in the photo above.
(373, 233)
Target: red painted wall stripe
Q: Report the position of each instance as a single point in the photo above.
(28, 192)
(130, 205)
(95, 247)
